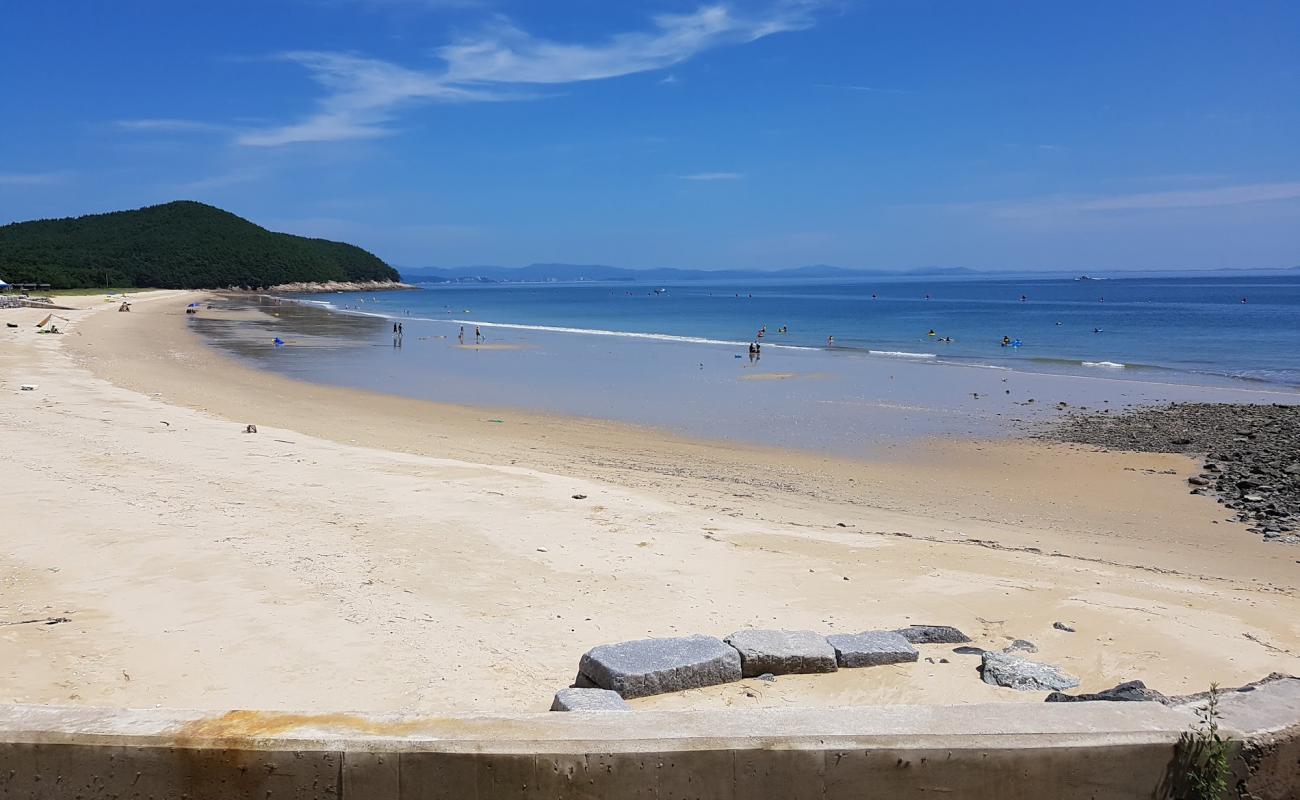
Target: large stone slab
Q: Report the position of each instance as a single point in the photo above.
(933, 634)
(782, 652)
(588, 700)
(871, 649)
(654, 666)
(1014, 672)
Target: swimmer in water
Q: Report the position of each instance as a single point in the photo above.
(1006, 340)
(932, 333)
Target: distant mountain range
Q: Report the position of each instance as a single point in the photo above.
(547, 273)
(572, 273)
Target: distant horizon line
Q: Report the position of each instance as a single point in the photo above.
(830, 268)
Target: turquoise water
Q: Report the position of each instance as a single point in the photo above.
(1196, 329)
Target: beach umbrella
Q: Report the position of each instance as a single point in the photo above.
(47, 319)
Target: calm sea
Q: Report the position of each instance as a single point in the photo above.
(1194, 328)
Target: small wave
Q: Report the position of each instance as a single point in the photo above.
(661, 337)
(1103, 364)
(900, 354)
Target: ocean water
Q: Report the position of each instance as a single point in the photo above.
(1194, 328)
(678, 359)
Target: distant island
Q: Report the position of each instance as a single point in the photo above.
(178, 245)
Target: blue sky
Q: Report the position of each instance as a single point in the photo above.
(749, 133)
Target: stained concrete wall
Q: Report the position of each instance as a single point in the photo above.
(1006, 751)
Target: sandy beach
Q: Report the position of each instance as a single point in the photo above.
(370, 552)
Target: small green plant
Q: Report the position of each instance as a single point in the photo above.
(1210, 766)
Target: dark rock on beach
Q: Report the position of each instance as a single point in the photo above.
(1250, 451)
(933, 634)
(1132, 691)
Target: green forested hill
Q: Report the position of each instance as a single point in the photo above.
(180, 245)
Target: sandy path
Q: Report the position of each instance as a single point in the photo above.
(366, 552)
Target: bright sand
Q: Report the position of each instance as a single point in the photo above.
(366, 552)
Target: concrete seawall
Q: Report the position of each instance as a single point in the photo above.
(1005, 751)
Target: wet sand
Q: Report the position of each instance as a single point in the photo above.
(368, 552)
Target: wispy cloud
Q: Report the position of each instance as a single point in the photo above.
(713, 176)
(1064, 207)
(32, 178)
(379, 5)
(221, 181)
(171, 126)
(854, 87)
(1197, 198)
(365, 94)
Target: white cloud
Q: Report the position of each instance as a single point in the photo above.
(509, 55)
(366, 94)
(32, 178)
(713, 176)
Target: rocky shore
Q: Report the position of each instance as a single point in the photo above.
(1251, 452)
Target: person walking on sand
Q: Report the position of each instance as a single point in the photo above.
(462, 334)
(478, 334)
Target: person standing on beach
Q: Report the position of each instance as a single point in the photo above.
(830, 341)
(478, 334)
(462, 334)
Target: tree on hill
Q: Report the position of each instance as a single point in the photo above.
(178, 245)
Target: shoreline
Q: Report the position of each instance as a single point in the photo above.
(557, 442)
(218, 569)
